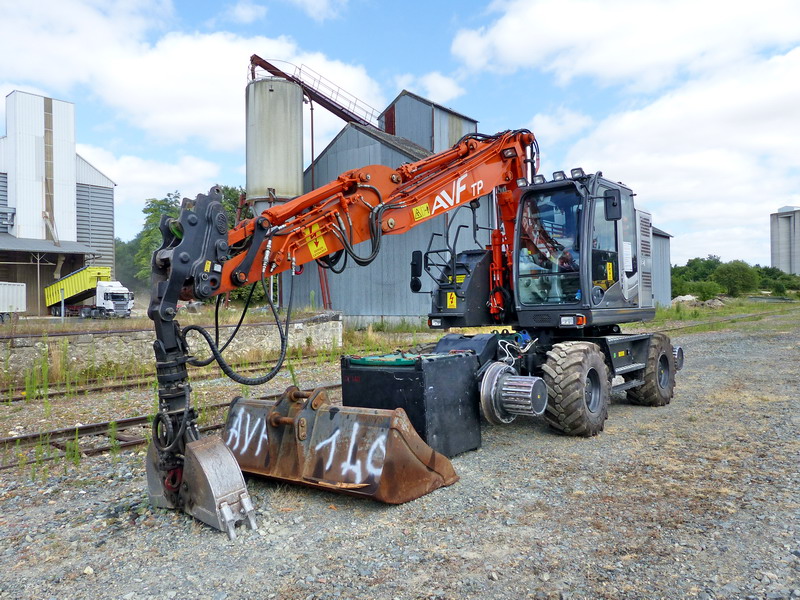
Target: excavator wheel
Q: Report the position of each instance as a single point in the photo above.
(577, 380)
(659, 374)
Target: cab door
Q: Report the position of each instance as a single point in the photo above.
(603, 256)
(628, 249)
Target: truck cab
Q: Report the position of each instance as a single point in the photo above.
(113, 299)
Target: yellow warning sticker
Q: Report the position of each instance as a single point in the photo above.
(610, 271)
(421, 212)
(207, 266)
(451, 300)
(315, 241)
(459, 278)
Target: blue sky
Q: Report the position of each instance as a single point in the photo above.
(693, 103)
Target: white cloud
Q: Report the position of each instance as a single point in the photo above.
(440, 88)
(246, 12)
(68, 42)
(562, 124)
(711, 159)
(434, 86)
(183, 87)
(321, 10)
(643, 45)
(140, 179)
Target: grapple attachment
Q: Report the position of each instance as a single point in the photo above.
(303, 438)
(210, 486)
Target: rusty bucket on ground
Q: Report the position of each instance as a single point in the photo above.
(303, 438)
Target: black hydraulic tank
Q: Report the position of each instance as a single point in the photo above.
(438, 392)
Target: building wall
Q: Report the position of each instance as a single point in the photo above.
(785, 241)
(25, 161)
(662, 271)
(351, 149)
(449, 128)
(414, 121)
(63, 170)
(95, 222)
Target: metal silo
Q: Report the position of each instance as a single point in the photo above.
(274, 140)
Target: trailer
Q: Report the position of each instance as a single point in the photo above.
(109, 298)
(12, 300)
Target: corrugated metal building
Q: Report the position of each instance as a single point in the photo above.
(662, 268)
(784, 233)
(56, 210)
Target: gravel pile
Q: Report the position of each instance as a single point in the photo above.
(699, 499)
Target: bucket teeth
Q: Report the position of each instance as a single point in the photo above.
(213, 488)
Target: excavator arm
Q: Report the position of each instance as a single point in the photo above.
(360, 205)
(200, 258)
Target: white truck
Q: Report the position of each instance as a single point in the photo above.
(12, 300)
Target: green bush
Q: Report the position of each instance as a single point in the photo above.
(736, 277)
(703, 290)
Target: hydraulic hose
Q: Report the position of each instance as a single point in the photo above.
(283, 332)
(202, 363)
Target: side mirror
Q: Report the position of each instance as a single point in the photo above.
(613, 205)
(416, 271)
(416, 263)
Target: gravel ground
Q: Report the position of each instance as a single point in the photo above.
(699, 499)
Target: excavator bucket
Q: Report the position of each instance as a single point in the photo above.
(303, 438)
(211, 487)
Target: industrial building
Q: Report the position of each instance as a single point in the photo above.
(784, 233)
(56, 209)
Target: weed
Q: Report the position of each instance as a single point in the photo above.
(73, 451)
(292, 374)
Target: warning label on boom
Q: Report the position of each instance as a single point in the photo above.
(315, 241)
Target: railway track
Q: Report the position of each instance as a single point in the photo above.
(134, 381)
(140, 381)
(112, 435)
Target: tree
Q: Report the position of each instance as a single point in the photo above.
(149, 239)
(736, 277)
(124, 254)
(230, 202)
(698, 269)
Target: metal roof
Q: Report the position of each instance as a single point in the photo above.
(401, 144)
(661, 232)
(10, 243)
(429, 103)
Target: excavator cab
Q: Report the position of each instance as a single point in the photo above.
(584, 251)
(581, 258)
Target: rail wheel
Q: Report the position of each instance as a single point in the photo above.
(577, 380)
(659, 374)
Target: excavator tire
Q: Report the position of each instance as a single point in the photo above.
(577, 380)
(659, 374)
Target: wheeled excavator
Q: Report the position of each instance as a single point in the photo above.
(567, 261)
